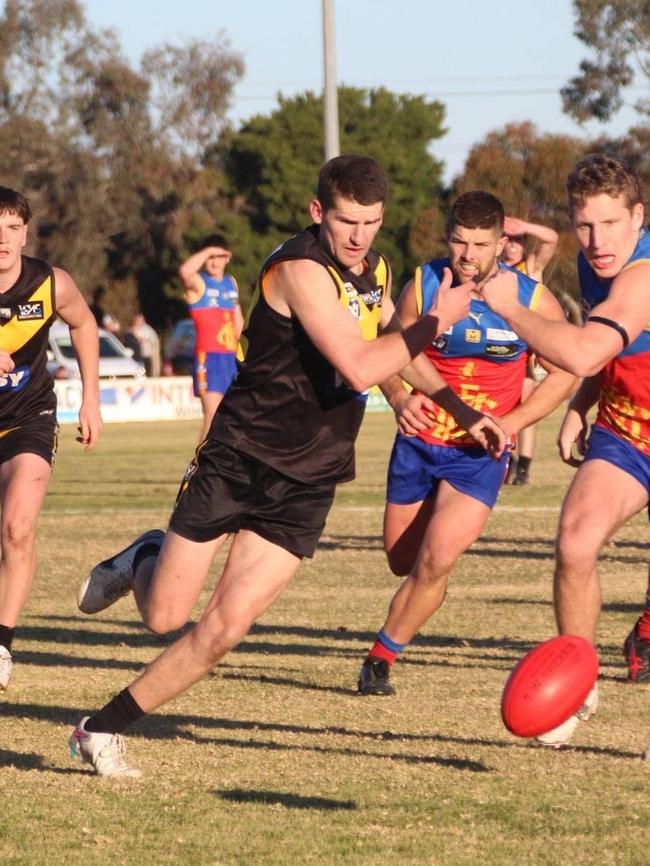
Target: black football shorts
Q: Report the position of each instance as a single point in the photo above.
(39, 436)
(224, 490)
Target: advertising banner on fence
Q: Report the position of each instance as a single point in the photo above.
(168, 398)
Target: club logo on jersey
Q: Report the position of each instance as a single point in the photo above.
(501, 351)
(472, 335)
(33, 310)
(14, 381)
(355, 309)
(5, 312)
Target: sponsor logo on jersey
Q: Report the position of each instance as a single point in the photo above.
(14, 381)
(500, 334)
(441, 343)
(33, 310)
(472, 335)
(5, 312)
(476, 317)
(501, 351)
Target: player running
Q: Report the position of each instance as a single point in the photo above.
(612, 352)
(281, 441)
(32, 295)
(441, 486)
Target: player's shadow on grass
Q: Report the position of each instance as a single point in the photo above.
(289, 801)
(335, 541)
(29, 761)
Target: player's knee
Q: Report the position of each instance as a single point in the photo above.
(17, 533)
(163, 620)
(216, 635)
(575, 549)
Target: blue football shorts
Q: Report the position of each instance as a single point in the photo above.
(605, 445)
(213, 372)
(416, 468)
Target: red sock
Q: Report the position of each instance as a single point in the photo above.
(379, 651)
(644, 624)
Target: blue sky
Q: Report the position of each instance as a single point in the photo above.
(489, 63)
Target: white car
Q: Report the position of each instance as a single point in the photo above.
(115, 360)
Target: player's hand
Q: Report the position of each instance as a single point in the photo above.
(513, 227)
(413, 413)
(451, 304)
(573, 432)
(90, 425)
(6, 362)
(501, 292)
(489, 434)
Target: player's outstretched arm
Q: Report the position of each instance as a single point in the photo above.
(73, 309)
(335, 333)
(414, 412)
(581, 350)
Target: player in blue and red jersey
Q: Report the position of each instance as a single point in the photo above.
(612, 352)
(441, 487)
(213, 299)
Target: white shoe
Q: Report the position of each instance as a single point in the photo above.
(561, 735)
(106, 752)
(113, 578)
(6, 667)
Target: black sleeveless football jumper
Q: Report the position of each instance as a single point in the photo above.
(27, 310)
(288, 407)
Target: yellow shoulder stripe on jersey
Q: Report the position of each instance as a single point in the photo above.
(17, 332)
(633, 264)
(417, 286)
(536, 296)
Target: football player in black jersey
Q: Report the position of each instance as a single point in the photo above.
(281, 440)
(32, 295)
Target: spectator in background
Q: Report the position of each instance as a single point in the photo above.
(143, 340)
(104, 320)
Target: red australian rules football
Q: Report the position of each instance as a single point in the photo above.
(548, 685)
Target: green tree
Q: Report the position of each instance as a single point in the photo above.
(618, 34)
(107, 153)
(272, 162)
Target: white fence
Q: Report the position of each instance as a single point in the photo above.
(168, 398)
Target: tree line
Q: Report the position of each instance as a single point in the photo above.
(128, 168)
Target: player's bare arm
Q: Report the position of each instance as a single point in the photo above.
(6, 362)
(546, 241)
(574, 430)
(193, 285)
(335, 332)
(583, 350)
(554, 388)
(413, 411)
(73, 309)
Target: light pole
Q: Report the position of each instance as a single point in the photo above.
(330, 95)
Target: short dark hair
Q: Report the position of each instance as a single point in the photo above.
(477, 210)
(215, 240)
(354, 177)
(599, 174)
(12, 201)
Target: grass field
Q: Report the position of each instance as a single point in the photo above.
(274, 759)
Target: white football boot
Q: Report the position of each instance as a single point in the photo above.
(6, 667)
(561, 735)
(105, 752)
(113, 578)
